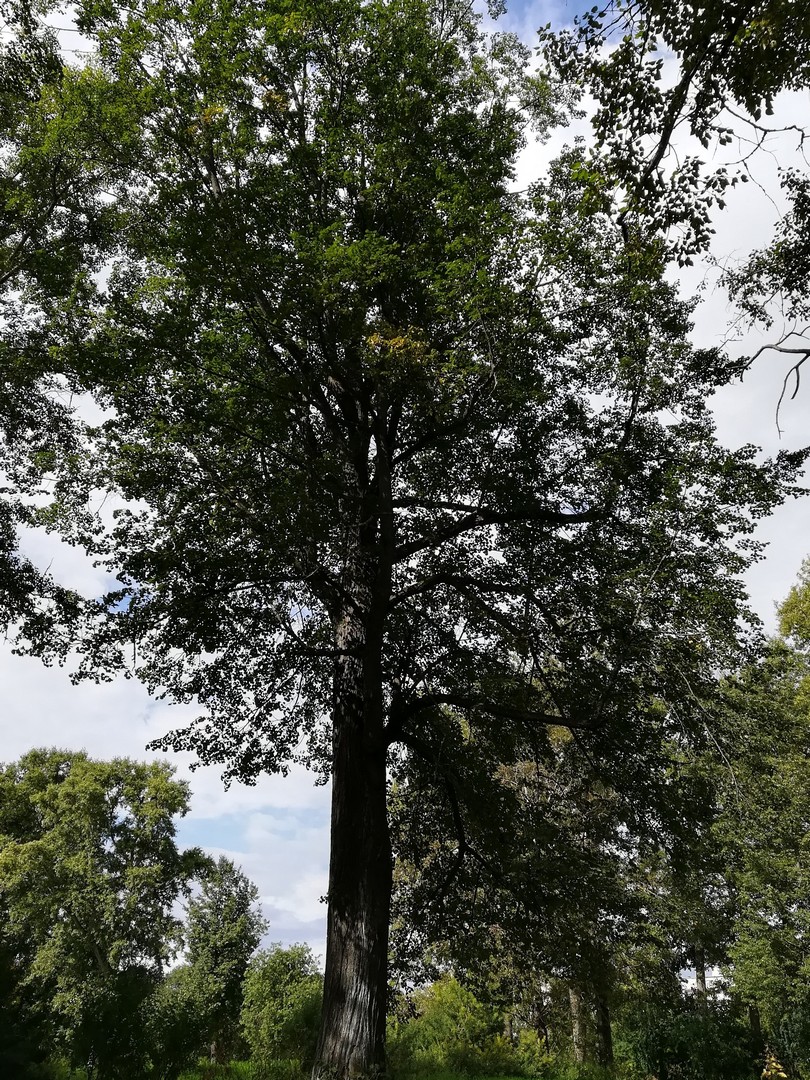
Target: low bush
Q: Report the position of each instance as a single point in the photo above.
(692, 1042)
(451, 1034)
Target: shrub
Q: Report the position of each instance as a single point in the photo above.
(452, 1031)
(693, 1042)
(282, 1008)
(174, 1022)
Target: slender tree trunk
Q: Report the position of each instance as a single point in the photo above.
(755, 1023)
(219, 1051)
(604, 1035)
(700, 972)
(542, 1030)
(538, 1022)
(352, 1035)
(577, 1023)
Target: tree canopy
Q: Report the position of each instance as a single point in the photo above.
(411, 461)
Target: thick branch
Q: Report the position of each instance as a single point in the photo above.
(483, 516)
(479, 703)
(452, 427)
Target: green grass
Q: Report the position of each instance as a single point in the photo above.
(244, 1070)
(235, 1070)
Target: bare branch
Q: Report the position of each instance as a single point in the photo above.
(794, 371)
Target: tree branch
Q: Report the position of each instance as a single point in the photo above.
(803, 352)
(483, 516)
(478, 702)
(445, 430)
(424, 751)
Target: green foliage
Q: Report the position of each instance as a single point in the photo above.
(234, 1070)
(533, 1056)
(282, 1004)
(452, 1032)
(791, 1036)
(279, 1069)
(89, 874)
(224, 926)
(45, 246)
(23, 1039)
(765, 791)
(690, 1041)
(174, 1022)
(794, 611)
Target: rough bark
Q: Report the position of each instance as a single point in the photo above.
(352, 1040)
(352, 1035)
(577, 1023)
(604, 1034)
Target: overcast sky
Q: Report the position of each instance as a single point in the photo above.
(278, 830)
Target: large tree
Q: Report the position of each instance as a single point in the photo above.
(392, 434)
(762, 829)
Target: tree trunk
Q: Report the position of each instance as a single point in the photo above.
(352, 1035)
(604, 1035)
(577, 1023)
(700, 972)
(755, 1023)
(541, 1027)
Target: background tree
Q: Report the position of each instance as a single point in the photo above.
(762, 829)
(89, 874)
(392, 434)
(224, 926)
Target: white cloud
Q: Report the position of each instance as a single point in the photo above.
(289, 862)
(68, 565)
